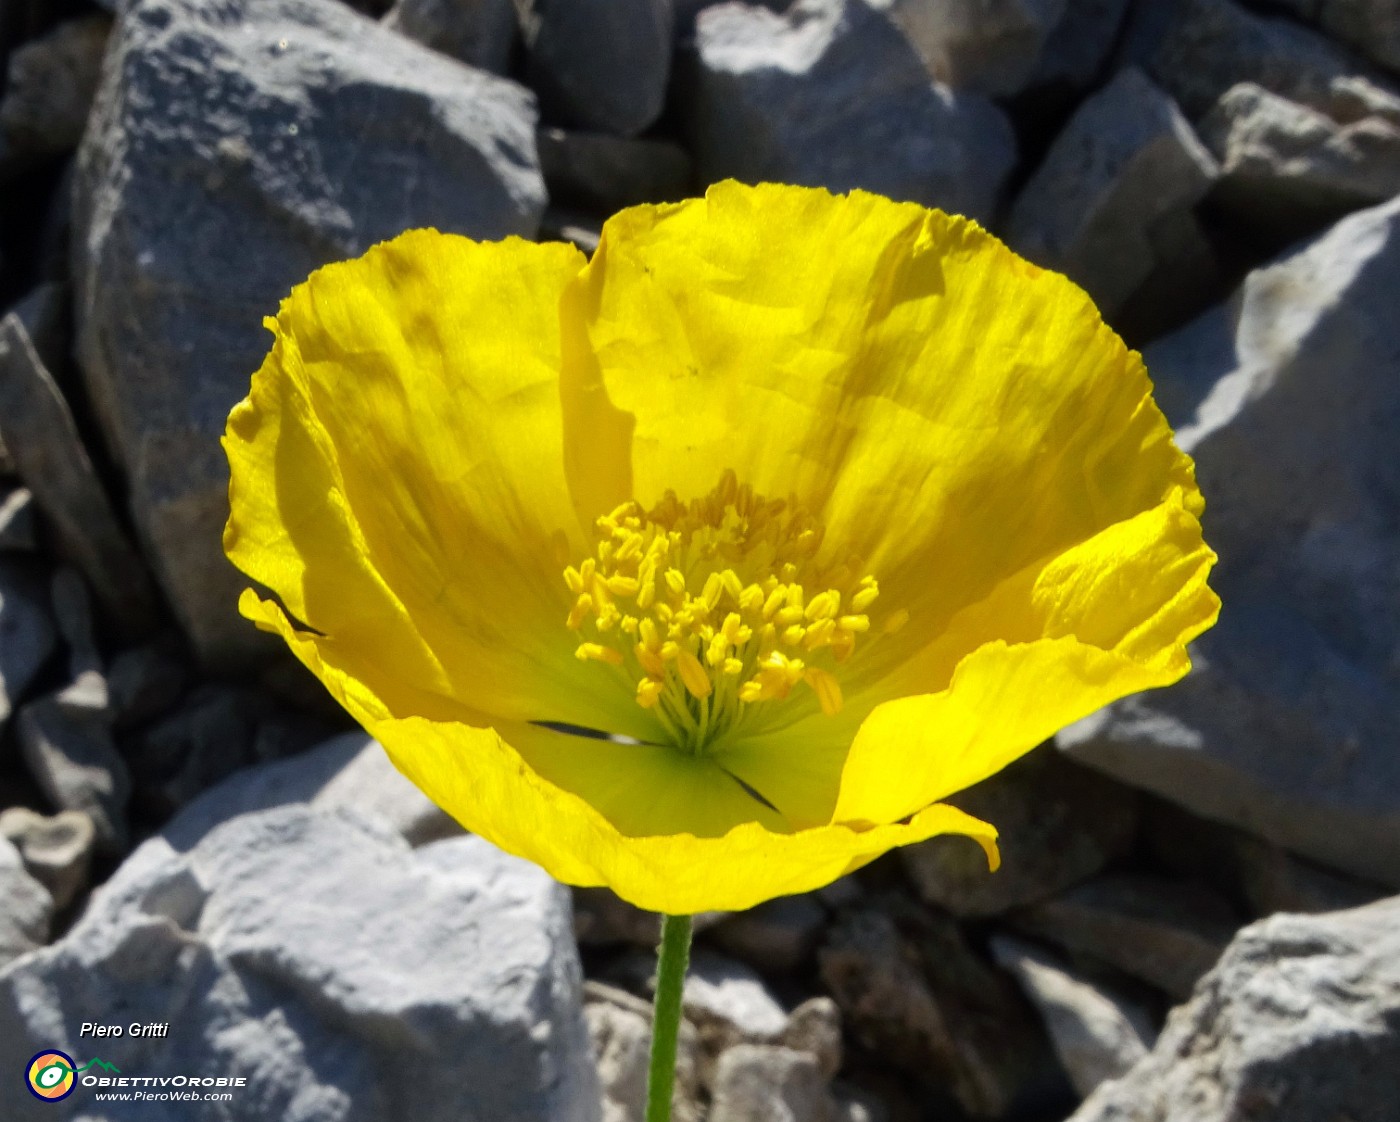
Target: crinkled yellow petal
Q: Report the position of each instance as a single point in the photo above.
(396, 477)
(491, 788)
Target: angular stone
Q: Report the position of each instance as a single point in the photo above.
(41, 435)
(604, 173)
(1079, 45)
(1370, 26)
(26, 632)
(1288, 398)
(318, 134)
(831, 94)
(26, 908)
(145, 682)
(619, 1026)
(1290, 166)
(349, 771)
(481, 33)
(990, 46)
(72, 612)
(1296, 1023)
(1198, 49)
(600, 64)
(67, 744)
(49, 86)
(914, 994)
(1123, 168)
(729, 1004)
(344, 975)
(57, 849)
(778, 935)
(1166, 933)
(763, 1083)
(1098, 1034)
(814, 1027)
(17, 530)
(1057, 826)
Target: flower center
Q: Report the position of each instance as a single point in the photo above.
(716, 606)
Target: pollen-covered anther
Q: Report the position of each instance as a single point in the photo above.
(718, 604)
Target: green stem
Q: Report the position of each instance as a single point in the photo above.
(672, 959)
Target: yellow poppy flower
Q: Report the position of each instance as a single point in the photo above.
(704, 569)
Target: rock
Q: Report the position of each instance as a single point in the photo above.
(814, 1027)
(481, 33)
(57, 849)
(349, 771)
(763, 1083)
(26, 908)
(831, 94)
(1102, 205)
(1288, 398)
(991, 46)
(619, 1026)
(777, 936)
(67, 744)
(1097, 1034)
(1057, 826)
(606, 173)
(72, 612)
(1288, 166)
(1295, 1024)
(145, 682)
(50, 84)
(729, 1005)
(309, 116)
(1197, 49)
(17, 521)
(26, 633)
(922, 1001)
(344, 975)
(1264, 878)
(209, 737)
(1166, 933)
(560, 224)
(1078, 45)
(599, 64)
(41, 435)
(601, 919)
(1370, 26)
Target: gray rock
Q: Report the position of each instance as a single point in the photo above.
(67, 744)
(601, 64)
(318, 134)
(72, 612)
(1098, 1034)
(349, 771)
(1370, 26)
(619, 1027)
(17, 521)
(1079, 45)
(26, 908)
(606, 173)
(1103, 204)
(560, 224)
(1295, 1024)
(914, 994)
(729, 1004)
(41, 435)
(145, 682)
(990, 46)
(26, 633)
(49, 86)
(344, 975)
(814, 1027)
(1057, 826)
(1167, 933)
(1290, 166)
(831, 94)
(778, 935)
(57, 849)
(1287, 398)
(481, 33)
(764, 1083)
(1198, 49)
(210, 736)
